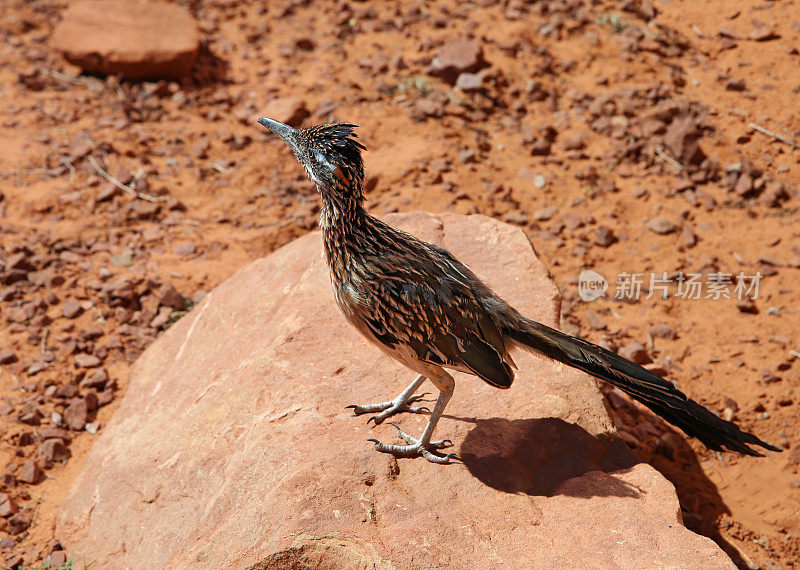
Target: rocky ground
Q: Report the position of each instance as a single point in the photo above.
(625, 137)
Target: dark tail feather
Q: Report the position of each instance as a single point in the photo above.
(642, 385)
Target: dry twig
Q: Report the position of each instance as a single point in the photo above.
(219, 168)
(60, 76)
(121, 186)
(668, 159)
(775, 136)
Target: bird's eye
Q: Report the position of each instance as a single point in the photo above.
(322, 160)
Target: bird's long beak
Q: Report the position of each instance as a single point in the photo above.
(284, 131)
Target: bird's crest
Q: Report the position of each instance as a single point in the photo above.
(337, 144)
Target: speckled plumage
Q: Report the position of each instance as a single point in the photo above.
(426, 309)
(411, 298)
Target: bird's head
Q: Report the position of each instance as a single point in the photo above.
(330, 154)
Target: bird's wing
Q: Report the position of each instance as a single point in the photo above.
(435, 314)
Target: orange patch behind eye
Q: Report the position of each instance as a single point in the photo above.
(341, 176)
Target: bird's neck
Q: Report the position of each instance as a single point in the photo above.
(342, 219)
(341, 212)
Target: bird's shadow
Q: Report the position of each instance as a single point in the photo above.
(546, 457)
(549, 457)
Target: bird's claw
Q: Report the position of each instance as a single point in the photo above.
(389, 408)
(417, 397)
(441, 444)
(416, 447)
(389, 412)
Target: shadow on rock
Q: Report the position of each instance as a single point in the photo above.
(702, 507)
(543, 456)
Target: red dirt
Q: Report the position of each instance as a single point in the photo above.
(592, 70)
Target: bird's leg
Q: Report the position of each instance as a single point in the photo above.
(424, 445)
(399, 404)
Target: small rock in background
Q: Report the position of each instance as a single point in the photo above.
(457, 57)
(669, 444)
(124, 259)
(571, 220)
(164, 314)
(71, 309)
(69, 390)
(198, 296)
(425, 107)
(544, 214)
(76, 413)
(200, 147)
(762, 32)
(469, 82)
(662, 330)
(660, 225)
(18, 523)
(794, 454)
(735, 85)
(635, 352)
(105, 398)
(747, 305)
(57, 559)
(305, 44)
(16, 559)
(543, 140)
(83, 360)
(53, 450)
(595, 321)
(139, 40)
(681, 141)
(688, 237)
(7, 356)
(170, 297)
(574, 141)
(289, 110)
(604, 236)
(8, 506)
(30, 472)
(186, 248)
(97, 379)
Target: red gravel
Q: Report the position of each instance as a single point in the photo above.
(619, 135)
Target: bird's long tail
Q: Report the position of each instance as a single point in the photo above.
(642, 385)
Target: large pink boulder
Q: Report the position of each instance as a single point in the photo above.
(145, 39)
(232, 447)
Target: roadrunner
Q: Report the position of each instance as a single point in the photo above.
(426, 309)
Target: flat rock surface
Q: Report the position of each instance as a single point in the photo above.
(232, 447)
(136, 39)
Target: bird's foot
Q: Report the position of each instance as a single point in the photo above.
(416, 447)
(390, 408)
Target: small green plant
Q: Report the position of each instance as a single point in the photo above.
(417, 82)
(68, 565)
(612, 19)
(176, 314)
(652, 33)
